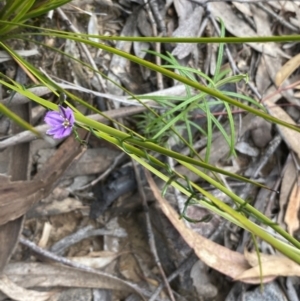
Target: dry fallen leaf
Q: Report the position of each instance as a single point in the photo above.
(291, 138)
(287, 5)
(272, 266)
(234, 25)
(93, 27)
(214, 255)
(292, 210)
(103, 259)
(9, 234)
(18, 171)
(19, 293)
(46, 275)
(262, 78)
(288, 180)
(55, 208)
(188, 28)
(271, 64)
(243, 8)
(184, 9)
(17, 197)
(227, 262)
(287, 69)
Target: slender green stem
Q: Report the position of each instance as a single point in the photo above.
(154, 147)
(228, 40)
(264, 39)
(245, 205)
(182, 79)
(235, 217)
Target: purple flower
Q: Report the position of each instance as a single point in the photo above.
(61, 122)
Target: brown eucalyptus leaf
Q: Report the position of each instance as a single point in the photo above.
(46, 275)
(214, 255)
(273, 65)
(287, 69)
(261, 20)
(238, 28)
(188, 28)
(9, 234)
(71, 150)
(55, 207)
(291, 215)
(286, 5)
(288, 180)
(291, 138)
(18, 171)
(243, 8)
(262, 78)
(271, 265)
(18, 293)
(184, 9)
(119, 66)
(17, 197)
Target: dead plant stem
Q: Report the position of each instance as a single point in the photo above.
(84, 47)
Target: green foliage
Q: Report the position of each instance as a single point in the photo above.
(178, 111)
(176, 115)
(20, 11)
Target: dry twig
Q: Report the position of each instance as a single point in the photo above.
(84, 47)
(150, 231)
(277, 17)
(67, 262)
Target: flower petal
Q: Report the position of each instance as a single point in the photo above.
(72, 118)
(62, 132)
(53, 119)
(68, 114)
(61, 123)
(53, 130)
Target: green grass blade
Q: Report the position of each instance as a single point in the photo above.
(4, 110)
(220, 52)
(209, 131)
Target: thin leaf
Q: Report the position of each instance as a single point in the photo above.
(220, 52)
(209, 131)
(17, 119)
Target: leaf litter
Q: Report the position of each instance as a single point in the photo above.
(57, 213)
